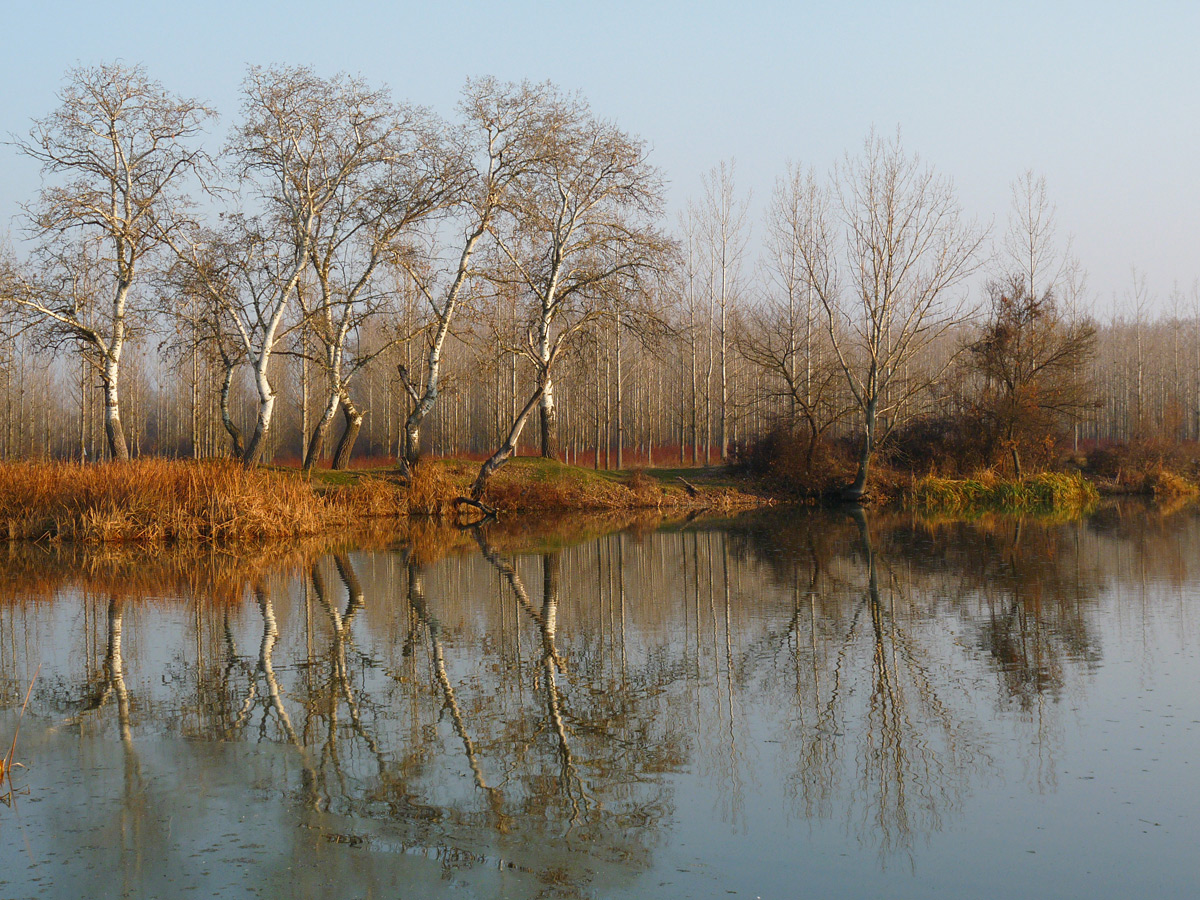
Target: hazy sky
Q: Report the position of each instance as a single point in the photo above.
(1101, 98)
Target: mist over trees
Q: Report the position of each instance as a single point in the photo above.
(439, 281)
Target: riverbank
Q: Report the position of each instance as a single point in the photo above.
(218, 502)
(1069, 493)
(160, 500)
(1047, 492)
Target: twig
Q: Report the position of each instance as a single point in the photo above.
(488, 511)
(6, 764)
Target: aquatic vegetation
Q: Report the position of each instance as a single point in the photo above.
(8, 762)
(1047, 492)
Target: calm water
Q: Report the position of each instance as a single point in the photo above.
(804, 705)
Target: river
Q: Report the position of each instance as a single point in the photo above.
(785, 704)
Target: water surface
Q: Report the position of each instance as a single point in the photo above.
(804, 704)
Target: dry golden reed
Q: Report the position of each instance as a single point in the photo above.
(151, 500)
(219, 502)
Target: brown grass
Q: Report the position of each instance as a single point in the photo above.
(432, 489)
(218, 502)
(530, 484)
(1158, 469)
(154, 500)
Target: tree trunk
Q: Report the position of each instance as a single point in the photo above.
(858, 488)
(724, 378)
(195, 398)
(235, 433)
(262, 424)
(316, 443)
(549, 420)
(506, 450)
(117, 447)
(304, 393)
(410, 454)
(345, 447)
(620, 403)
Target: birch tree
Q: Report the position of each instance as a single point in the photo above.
(249, 275)
(688, 275)
(884, 247)
(115, 155)
(575, 229)
(301, 142)
(198, 295)
(499, 141)
(396, 172)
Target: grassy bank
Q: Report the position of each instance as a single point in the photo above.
(528, 484)
(1048, 492)
(156, 500)
(171, 500)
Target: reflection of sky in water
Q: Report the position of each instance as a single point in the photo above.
(1000, 709)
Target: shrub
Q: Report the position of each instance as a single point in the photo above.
(788, 460)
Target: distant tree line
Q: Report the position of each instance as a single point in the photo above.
(352, 275)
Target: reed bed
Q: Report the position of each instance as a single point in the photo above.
(219, 502)
(155, 500)
(1048, 492)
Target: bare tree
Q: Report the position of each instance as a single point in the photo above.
(883, 248)
(499, 142)
(1138, 299)
(116, 151)
(574, 230)
(1029, 246)
(396, 171)
(688, 274)
(199, 300)
(1050, 272)
(722, 219)
(297, 151)
(787, 339)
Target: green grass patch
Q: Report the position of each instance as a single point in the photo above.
(1048, 492)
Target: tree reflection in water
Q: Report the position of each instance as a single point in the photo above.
(854, 667)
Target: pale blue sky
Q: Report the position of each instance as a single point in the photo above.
(1101, 98)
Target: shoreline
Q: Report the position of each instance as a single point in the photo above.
(157, 501)
(217, 502)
